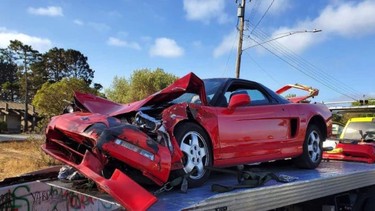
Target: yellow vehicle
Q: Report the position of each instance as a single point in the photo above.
(359, 128)
(356, 142)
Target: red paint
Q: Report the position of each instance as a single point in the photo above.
(360, 152)
(188, 83)
(127, 192)
(239, 134)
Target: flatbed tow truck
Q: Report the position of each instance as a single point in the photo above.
(334, 185)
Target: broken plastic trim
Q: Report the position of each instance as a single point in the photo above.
(145, 121)
(156, 126)
(136, 149)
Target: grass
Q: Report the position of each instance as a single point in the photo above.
(20, 157)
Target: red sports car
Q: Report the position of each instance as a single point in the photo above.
(182, 129)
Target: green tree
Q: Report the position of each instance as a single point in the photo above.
(118, 90)
(344, 117)
(77, 66)
(9, 87)
(370, 101)
(24, 55)
(141, 84)
(38, 76)
(53, 62)
(98, 86)
(59, 63)
(51, 99)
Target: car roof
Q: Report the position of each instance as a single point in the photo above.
(362, 119)
(230, 79)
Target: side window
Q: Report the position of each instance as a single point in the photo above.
(227, 95)
(257, 97)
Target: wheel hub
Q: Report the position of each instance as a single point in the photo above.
(195, 155)
(313, 147)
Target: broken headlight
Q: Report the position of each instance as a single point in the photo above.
(135, 148)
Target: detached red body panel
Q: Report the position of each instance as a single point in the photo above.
(127, 192)
(180, 129)
(360, 152)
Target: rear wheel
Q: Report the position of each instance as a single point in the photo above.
(196, 147)
(312, 149)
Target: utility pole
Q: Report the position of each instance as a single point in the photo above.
(241, 18)
(25, 128)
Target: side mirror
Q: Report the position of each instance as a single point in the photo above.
(239, 100)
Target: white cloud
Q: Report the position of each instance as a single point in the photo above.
(40, 44)
(296, 39)
(206, 11)
(78, 22)
(46, 11)
(296, 42)
(278, 6)
(165, 47)
(99, 26)
(226, 45)
(112, 41)
(346, 19)
(351, 19)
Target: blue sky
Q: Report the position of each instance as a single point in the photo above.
(200, 36)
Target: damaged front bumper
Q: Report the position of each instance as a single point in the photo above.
(356, 151)
(90, 152)
(123, 189)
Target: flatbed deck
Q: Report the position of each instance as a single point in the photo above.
(329, 178)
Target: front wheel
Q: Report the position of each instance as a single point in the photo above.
(196, 147)
(312, 149)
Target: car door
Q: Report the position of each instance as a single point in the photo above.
(255, 132)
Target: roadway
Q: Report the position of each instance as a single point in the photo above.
(18, 137)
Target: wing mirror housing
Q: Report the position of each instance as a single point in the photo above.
(239, 100)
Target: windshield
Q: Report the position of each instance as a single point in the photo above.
(352, 131)
(211, 87)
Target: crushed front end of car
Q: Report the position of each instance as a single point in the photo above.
(111, 153)
(121, 147)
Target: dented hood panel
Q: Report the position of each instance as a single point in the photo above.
(189, 83)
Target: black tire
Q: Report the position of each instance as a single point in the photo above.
(312, 149)
(196, 146)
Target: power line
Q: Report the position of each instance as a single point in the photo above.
(264, 14)
(253, 9)
(299, 62)
(287, 55)
(307, 74)
(302, 65)
(293, 57)
(285, 35)
(261, 68)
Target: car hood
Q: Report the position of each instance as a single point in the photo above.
(189, 83)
